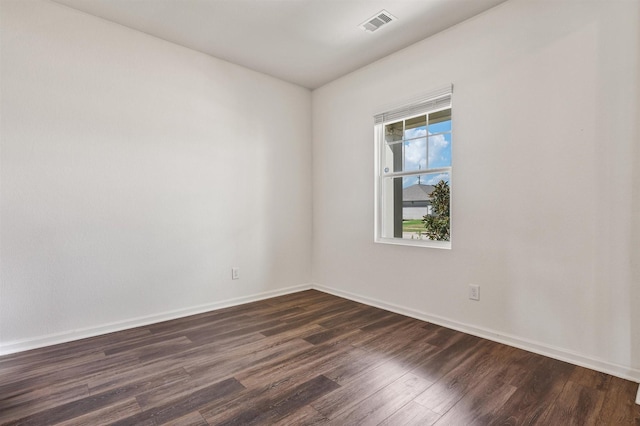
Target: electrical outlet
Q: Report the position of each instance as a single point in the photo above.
(474, 292)
(235, 273)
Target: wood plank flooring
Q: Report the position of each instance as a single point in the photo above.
(301, 359)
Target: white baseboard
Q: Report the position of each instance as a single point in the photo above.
(54, 339)
(525, 344)
(638, 396)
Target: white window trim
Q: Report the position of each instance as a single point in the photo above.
(431, 102)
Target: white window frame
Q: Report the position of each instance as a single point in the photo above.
(431, 102)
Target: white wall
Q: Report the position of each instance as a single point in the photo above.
(135, 173)
(545, 186)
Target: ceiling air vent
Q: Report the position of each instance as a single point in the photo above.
(378, 20)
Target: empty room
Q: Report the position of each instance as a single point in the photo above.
(293, 212)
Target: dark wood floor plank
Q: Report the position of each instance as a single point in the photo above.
(14, 407)
(452, 387)
(536, 392)
(392, 344)
(117, 378)
(406, 354)
(297, 398)
(590, 378)
(281, 314)
(411, 355)
(410, 415)
(319, 314)
(107, 415)
(306, 415)
(514, 364)
(479, 405)
(159, 349)
(218, 327)
(176, 408)
(65, 375)
(254, 349)
(337, 334)
(317, 363)
(223, 324)
(171, 384)
(358, 362)
(17, 371)
(440, 336)
(207, 319)
(287, 326)
(200, 378)
(359, 388)
(206, 336)
(439, 363)
(259, 367)
(192, 419)
(576, 405)
(388, 324)
(358, 318)
(384, 403)
(91, 403)
(281, 382)
(274, 407)
(199, 355)
(619, 407)
(304, 358)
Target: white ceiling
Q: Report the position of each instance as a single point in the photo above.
(307, 42)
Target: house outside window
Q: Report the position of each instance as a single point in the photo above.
(414, 172)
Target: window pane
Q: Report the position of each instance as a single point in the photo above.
(393, 131)
(415, 127)
(440, 150)
(424, 179)
(440, 121)
(416, 207)
(415, 154)
(440, 139)
(415, 147)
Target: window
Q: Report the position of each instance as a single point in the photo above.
(413, 172)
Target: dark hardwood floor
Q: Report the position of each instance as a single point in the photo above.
(304, 358)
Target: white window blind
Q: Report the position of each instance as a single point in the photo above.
(432, 101)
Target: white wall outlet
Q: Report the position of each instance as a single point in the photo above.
(235, 273)
(474, 292)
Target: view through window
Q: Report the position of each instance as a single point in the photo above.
(414, 176)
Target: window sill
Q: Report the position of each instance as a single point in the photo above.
(415, 243)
